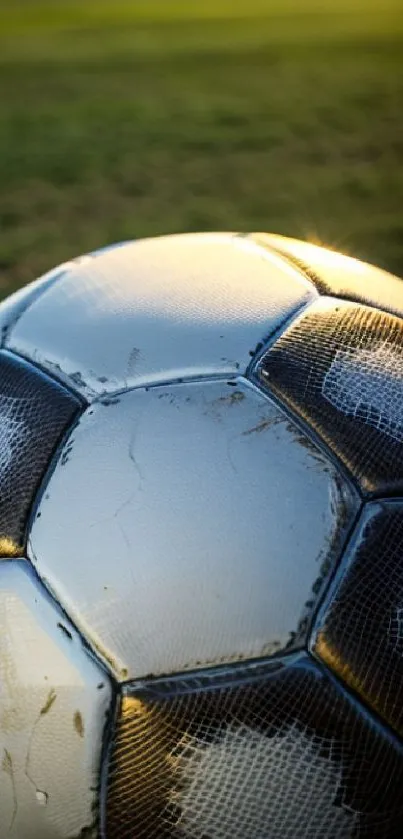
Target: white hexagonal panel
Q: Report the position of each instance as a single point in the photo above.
(16, 304)
(53, 704)
(339, 275)
(158, 310)
(186, 525)
(13, 307)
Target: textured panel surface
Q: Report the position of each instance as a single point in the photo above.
(34, 412)
(360, 631)
(252, 755)
(160, 309)
(335, 274)
(53, 702)
(188, 525)
(340, 367)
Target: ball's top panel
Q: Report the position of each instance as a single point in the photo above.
(339, 275)
(340, 366)
(251, 752)
(160, 309)
(360, 629)
(53, 701)
(187, 525)
(34, 412)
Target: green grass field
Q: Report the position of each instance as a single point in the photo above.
(127, 119)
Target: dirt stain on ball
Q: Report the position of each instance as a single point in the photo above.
(78, 723)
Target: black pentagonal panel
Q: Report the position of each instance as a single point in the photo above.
(258, 752)
(360, 630)
(336, 275)
(339, 366)
(34, 413)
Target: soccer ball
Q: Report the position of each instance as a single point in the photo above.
(201, 520)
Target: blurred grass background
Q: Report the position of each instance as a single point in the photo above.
(128, 119)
